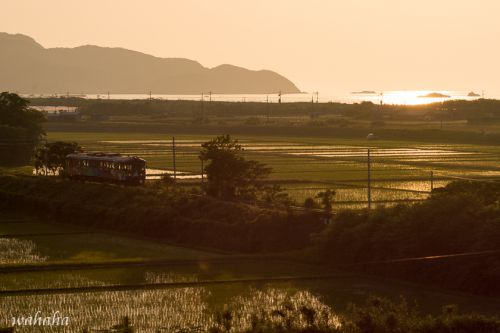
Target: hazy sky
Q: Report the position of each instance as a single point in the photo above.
(326, 45)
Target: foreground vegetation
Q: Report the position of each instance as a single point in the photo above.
(269, 311)
(302, 313)
(459, 219)
(462, 218)
(161, 212)
(376, 316)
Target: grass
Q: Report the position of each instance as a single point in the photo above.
(92, 247)
(19, 251)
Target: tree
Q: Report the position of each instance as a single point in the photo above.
(20, 129)
(327, 199)
(275, 195)
(229, 175)
(50, 158)
(309, 203)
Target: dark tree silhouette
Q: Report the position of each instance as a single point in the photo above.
(327, 199)
(20, 129)
(229, 175)
(50, 158)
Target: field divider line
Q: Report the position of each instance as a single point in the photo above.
(425, 258)
(17, 221)
(377, 201)
(42, 234)
(373, 187)
(494, 180)
(6, 269)
(167, 285)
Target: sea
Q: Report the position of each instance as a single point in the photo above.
(395, 97)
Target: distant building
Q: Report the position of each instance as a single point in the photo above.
(64, 116)
(64, 113)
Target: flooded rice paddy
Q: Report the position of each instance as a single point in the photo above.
(171, 296)
(399, 171)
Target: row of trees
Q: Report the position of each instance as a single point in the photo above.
(454, 108)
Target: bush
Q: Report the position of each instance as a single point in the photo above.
(464, 217)
(161, 212)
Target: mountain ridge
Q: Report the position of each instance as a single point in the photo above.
(27, 67)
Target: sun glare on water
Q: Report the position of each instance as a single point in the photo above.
(414, 97)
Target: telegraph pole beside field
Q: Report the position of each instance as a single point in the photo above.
(312, 105)
(432, 181)
(369, 181)
(267, 109)
(202, 107)
(173, 156)
(202, 171)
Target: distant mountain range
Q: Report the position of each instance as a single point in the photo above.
(28, 67)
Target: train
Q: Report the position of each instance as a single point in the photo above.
(106, 167)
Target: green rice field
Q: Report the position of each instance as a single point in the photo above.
(400, 171)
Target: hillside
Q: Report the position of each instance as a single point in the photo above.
(28, 67)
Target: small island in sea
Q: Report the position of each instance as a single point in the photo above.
(473, 94)
(364, 92)
(435, 95)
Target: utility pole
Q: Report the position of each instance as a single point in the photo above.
(202, 107)
(173, 156)
(441, 120)
(150, 97)
(432, 181)
(369, 181)
(202, 171)
(312, 105)
(210, 94)
(279, 97)
(267, 108)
